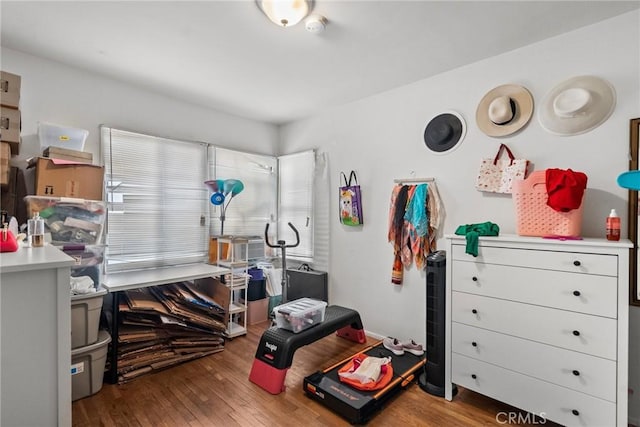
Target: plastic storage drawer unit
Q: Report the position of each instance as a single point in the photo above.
(300, 314)
(85, 318)
(87, 367)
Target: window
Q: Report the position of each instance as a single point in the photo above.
(296, 172)
(159, 213)
(156, 210)
(249, 212)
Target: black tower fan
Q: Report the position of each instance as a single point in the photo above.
(432, 380)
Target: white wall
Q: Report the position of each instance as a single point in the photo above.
(381, 138)
(56, 93)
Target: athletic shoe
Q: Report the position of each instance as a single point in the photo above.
(413, 347)
(393, 345)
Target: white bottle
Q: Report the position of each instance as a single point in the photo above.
(613, 226)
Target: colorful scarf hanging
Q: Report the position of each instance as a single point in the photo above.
(414, 217)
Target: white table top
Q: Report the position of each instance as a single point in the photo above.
(160, 276)
(28, 259)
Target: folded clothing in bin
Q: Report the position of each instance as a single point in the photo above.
(88, 261)
(70, 220)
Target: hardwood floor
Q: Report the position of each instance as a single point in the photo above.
(216, 391)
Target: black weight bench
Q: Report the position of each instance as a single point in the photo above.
(277, 346)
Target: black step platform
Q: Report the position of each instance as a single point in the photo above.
(277, 346)
(358, 406)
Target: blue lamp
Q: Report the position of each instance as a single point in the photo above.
(223, 191)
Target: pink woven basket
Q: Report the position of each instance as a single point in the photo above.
(534, 217)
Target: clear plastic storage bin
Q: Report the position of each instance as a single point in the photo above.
(70, 221)
(300, 314)
(89, 261)
(51, 135)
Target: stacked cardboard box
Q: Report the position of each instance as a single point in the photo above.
(63, 178)
(9, 123)
(67, 154)
(65, 169)
(9, 107)
(5, 155)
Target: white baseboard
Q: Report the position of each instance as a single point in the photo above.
(374, 335)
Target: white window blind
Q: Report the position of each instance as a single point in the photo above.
(248, 212)
(296, 172)
(156, 198)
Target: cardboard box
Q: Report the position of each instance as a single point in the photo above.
(66, 154)
(62, 178)
(9, 90)
(10, 128)
(5, 154)
(257, 311)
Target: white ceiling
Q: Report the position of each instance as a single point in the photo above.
(226, 55)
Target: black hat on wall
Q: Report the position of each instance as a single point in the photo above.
(444, 132)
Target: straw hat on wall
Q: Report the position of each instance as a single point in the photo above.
(504, 110)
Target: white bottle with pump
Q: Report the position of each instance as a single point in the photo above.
(613, 226)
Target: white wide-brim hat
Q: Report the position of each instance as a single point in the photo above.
(577, 105)
(504, 110)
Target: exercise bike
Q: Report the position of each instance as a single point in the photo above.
(282, 244)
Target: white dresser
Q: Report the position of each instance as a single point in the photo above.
(542, 325)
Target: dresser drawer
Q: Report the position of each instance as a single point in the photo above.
(583, 293)
(578, 371)
(538, 397)
(574, 331)
(576, 262)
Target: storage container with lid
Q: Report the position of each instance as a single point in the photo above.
(70, 220)
(85, 317)
(300, 314)
(51, 135)
(87, 367)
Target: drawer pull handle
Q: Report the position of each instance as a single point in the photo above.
(475, 344)
(474, 376)
(575, 412)
(576, 263)
(474, 311)
(576, 333)
(576, 293)
(474, 278)
(576, 373)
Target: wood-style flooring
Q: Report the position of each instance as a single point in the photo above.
(216, 391)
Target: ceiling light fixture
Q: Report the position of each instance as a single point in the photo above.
(285, 13)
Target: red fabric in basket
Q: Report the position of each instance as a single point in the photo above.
(565, 189)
